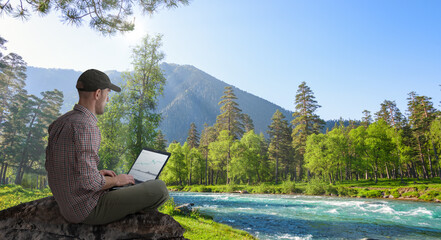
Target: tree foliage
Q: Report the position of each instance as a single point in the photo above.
(280, 148)
(305, 123)
(24, 119)
(107, 17)
(130, 121)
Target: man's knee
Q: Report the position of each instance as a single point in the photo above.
(162, 189)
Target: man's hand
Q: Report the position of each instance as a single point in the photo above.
(124, 179)
(108, 173)
(118, 180)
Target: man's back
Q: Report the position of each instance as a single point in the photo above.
(71, 163)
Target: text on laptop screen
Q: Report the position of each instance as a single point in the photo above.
(147, 166)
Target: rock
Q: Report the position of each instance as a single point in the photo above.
(244, 192)
(41, 219)
(185, 208)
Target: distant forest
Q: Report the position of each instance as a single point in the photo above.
(385, 144)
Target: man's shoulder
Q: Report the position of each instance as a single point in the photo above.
(74, 118)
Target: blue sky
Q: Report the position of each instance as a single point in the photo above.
(352, 54)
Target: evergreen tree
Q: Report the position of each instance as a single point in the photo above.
(248, 122)
(280, 148)
(367, 118)
(422, 113)
(390, 113)
(193, 136)
(305, 122)
(231, 115)
(12, 79)
(40, 113)
(160, 142)
(107, 17)
(230, 120)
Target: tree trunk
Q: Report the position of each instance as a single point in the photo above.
(376, 170)
(430, 163)
(277, 168)
(3, 173)
(206, 169)
(387, 171)
(423, 163)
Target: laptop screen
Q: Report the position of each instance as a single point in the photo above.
(148, 165)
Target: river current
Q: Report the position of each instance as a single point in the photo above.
(316, 217)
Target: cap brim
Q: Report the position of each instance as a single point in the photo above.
(115, 88)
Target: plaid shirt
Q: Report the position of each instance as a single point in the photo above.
(72, 163)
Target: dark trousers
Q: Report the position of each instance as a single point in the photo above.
(117, 204)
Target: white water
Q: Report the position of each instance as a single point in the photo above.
(312, 217)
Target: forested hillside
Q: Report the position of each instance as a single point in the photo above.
(190, 95)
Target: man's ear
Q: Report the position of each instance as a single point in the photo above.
(97, 94)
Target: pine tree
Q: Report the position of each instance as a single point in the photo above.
(230, 120)
(305, 122)
(193, 136)
(231, 115)
(422, 113)
(160, 142)
(280, 148)
(390, 113)
(40, 114)
(107, 17)
(12, 79)
(248, 122)
(367, 119)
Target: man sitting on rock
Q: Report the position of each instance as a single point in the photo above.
(80, 189)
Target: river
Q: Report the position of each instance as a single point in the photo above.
(317, 217)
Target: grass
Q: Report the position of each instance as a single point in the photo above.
(414, 189)
(12, 195)
(199, 226)
(196, 225)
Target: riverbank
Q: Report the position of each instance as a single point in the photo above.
(196, 225)
(409, 189)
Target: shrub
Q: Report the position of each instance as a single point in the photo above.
(342, 191)
(430, 195)
(395, 193)
(230, 188)
(262, 188)
(411, 194)
(370, 193)
(169, 207)
(316, 187)
(202, 189)
(288, 187)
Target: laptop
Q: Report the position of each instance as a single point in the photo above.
(148, 166)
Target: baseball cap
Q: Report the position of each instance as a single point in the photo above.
(92, 80)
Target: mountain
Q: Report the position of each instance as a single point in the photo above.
(190, 95)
